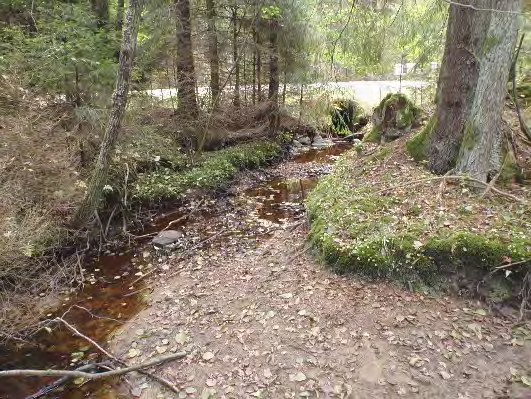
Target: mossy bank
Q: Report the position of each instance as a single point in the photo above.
(383, 216)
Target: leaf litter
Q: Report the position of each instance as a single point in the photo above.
(260, 318)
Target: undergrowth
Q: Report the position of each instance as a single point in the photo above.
(211, 171)
(366, 218)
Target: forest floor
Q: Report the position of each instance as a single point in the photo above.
(260, 317)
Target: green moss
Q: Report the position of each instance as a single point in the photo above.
(470, 137)
(417, 146)
(374, 136)
(212, 171)
(356, 229)
(510, 170)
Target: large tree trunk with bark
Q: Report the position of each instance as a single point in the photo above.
(213, 55)
(99, 174)
(186, 79)
(274, 76)
(258, 50)
(235, 58)
(480, 151)
(458, 76)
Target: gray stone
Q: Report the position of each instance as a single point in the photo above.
(296, 143)
(304, 140)
(166, 239)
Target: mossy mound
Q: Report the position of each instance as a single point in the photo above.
(380, 216)
(212, 171)
(392, 118)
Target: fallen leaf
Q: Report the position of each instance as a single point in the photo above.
(161, 349)
(287, 295)
(267, 373)
(181, 338)
(299, 377)
(208, 356)
(190, 390)
(133, 352)
(445, 375)
(526, 381)
(210, 382)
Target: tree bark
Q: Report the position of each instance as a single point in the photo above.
(258, 63)
(480, 151)
(119, 23)
(458, 76)
(254, 66)
(99, 174)
(213, 55)
(186, 79)
(274, 76)
(234, 21)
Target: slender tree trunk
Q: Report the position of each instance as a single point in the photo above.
(259, 66)
(254, 66)
(274, 76)
(101, 9)
(213, 55)
(186, 79)
(284, 89)
(457, 84)
(119, 23)
(480, 150)
(234, 20)
(99, 174)
(244, 76)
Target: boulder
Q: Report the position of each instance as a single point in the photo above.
(304, 140)
(392, 118)
(166, 239)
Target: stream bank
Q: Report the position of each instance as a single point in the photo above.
(115, 289)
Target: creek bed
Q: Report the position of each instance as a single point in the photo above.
(112, 295)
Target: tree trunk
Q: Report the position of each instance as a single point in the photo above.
(274, 76)
(185, 61)
(101, 9)
(259, 65)
(254, 66)
(284, 89)
(480, 150)
(213, 52)
(235, 60)
(119, 15)
(99, 174)
(458, 76)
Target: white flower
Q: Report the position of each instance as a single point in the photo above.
(107, 188)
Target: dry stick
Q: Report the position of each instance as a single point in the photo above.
(172, 222)
(161, 380)
(512, 264)
(82, 374)
(455, 177)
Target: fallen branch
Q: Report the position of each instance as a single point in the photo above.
(63, 380)
(161, 380)
(93, 376)
(171, 223)
(512, 264)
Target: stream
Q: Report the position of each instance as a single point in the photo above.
(114, 290)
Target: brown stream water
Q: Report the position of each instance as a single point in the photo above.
(107, 300)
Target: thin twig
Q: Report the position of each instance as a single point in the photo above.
(482, 9)
(82, 374)
(455, 177)
(512, 264)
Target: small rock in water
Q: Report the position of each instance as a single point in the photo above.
(166, 239)
(304, 140)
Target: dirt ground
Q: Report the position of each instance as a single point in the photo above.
(261, 318)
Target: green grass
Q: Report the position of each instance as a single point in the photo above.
(212, 171)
